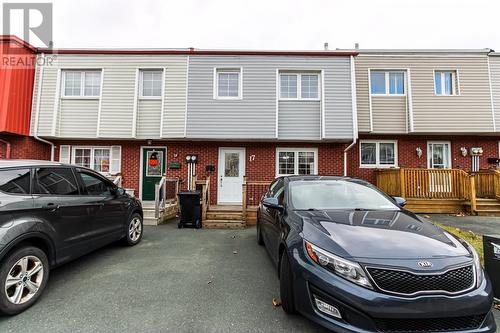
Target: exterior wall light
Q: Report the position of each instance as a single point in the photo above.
(463, 150)
(419, 152)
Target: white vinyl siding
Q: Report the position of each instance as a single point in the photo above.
(378, 154)
(296, 161)
(78, 84)
(112, 115)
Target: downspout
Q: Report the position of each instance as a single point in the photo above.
(354, 114)
(7, 148)
(37, 115)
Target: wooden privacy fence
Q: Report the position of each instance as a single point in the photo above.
(425, 183)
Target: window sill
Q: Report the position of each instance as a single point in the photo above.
(299, 99)
(228, 98)
(388, 95)
(81, 97)
(150, 98)
(454, 95)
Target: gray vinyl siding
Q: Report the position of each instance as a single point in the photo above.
(117, 98)
(389, 114)
(300, 121)
(254, 116)
(495, 87)
(148, 119)
(77, 116)
(469, 112)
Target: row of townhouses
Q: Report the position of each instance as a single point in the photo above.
(258, 114)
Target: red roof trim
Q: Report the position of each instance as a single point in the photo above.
(201, 52)
(17, 40)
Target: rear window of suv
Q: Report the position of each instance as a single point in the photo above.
(15, 181)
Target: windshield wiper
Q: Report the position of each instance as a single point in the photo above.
(307, 210)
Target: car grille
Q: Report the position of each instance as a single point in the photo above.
(406, 283)
(430, 324)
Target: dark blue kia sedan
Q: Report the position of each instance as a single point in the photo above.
(352, 259)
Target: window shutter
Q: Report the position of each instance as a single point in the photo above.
(116, 160)
(65, 154)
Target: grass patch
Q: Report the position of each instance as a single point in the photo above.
(475, 240)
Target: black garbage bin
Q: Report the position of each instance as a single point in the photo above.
(491, 244)
(190, 207)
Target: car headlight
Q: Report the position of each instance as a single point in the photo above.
(477, 263)
(344, 268)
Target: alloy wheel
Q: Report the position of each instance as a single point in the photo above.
(24, 280)
(135, 229)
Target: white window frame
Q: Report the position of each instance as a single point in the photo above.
(299, 86)
(296, 159)
(92, 152)
(141, 73)
(429, 156)
(83, 73)
(231, 70)
(387, 82)
(377, 155)
(455, 84)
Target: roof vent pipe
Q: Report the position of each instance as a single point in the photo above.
(325, 46)
(356, 46)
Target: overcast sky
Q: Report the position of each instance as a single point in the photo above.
(276, 24)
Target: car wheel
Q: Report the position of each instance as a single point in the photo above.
(23, 277)
(260, 240)
(134, 230)
(286, 285)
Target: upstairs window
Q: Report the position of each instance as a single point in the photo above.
(151, 82)
(299, 86)
(387, 82)
(378, 154)
(445, 83)
(79, 84)
(228, 83)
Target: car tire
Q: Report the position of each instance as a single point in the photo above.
(286, 285)
(27, 270)
(260, 240)
(135, 229)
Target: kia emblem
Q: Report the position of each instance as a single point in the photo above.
(425, 264)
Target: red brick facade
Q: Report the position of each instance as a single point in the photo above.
(261, 156)
(407, 153)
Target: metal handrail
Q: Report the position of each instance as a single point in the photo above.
(160, 196)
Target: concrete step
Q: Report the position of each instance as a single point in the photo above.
(150, 221)
(148, 213)
(223, 224)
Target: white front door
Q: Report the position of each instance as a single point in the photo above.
(439, 157)
(231, 172)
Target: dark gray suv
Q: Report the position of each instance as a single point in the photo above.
(51, 213)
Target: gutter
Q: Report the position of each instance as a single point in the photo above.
(7, 150)
(354, 114)
(37, 115)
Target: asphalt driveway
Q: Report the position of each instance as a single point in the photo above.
(174, 281)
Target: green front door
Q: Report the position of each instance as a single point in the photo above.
(153, 168)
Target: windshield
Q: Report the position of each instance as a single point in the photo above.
(337, 194)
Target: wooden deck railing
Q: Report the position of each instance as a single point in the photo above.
(425, 183)
(487, 184)
(252, 192)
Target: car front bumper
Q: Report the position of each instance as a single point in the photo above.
(365, 310)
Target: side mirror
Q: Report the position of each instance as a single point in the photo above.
(272, 203)
(400, 201)
(119, 191)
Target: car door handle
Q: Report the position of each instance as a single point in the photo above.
(51, 206)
